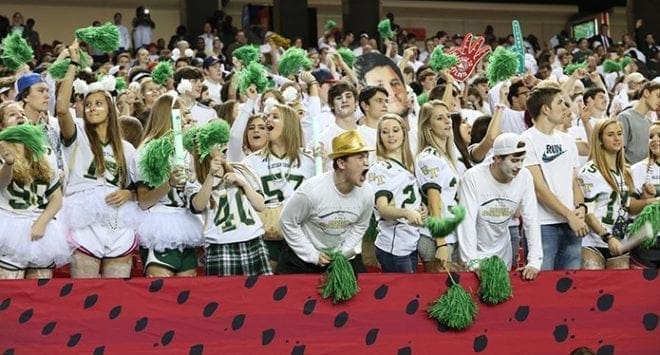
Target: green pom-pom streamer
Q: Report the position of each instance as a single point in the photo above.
(455, 309)
(329, 25)
(31, 136)
(155, 161)
(611, 66)
(85, 60)
(211, 134)
(423, 98)
(253, 74)
(16, 51)
(441, 60)
(347, 56)
(502, 64)
(440, 227)
(247, 54)
(384, 29)
(58, 69)
(162, 72)
(650, 214)
(340, 282)
(293, 61)
(120, 84)
(104, 38)
(625, 61)
(189, 138)
(571, 68)
(495, 284)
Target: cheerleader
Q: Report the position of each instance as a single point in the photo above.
(31, 239)
(99, 208)
(397, 198)
(169, 232)
(437, 175)
(281, 166)
(229, 196)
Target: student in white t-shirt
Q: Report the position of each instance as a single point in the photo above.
(373, 104)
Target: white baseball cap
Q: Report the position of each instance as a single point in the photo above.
(508, 143)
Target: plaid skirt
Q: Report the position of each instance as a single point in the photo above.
(248, 258)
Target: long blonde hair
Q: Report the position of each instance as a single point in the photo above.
(597, 155)
(160, 118)
(291, 133)
(425, 136)
(406, 154)
(652, 157)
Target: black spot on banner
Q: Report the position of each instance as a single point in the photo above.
(650, 321)
(561, 333)
(480, 343)
(521, 313)
(66, 289)
(456, 276)
(405, 351)
(182, 297)
(371, 337)
(280, 293)
(267, 336)
(48, 328)
(100, 350)
(442, 328)
(73, 340)
(605, 350)
(605, 302)
(564, 284)
(381, 292)
(90, 300)
(42, 282)
(156, 285)
(412, 307)
(650, 274)
(309, 306)
(141, 324)
(25, 316)
(9, 351)
(5, 304)
(237, 322)
(197, 349)
(114, 312)
(341, 319)
(166, 339)
(298, 350)
(251, 281)
(210, 309)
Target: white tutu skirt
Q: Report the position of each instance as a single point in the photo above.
(88, 207)
(16, 242)
(176, 228)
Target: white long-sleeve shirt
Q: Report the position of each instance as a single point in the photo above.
(489, 205)
(318, 218)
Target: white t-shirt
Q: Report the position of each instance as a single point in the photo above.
(202, 114)
(370, 136)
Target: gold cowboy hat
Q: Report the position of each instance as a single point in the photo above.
(348, 143)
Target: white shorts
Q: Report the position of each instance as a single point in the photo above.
(102, 242)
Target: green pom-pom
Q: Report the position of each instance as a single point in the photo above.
(189, 137)
(502, 64)
(155, 161)
(384, 29)
(347, 56)
(104, 38)
(120, 84)
(211, 134)
(31, 136)
(253, 74)
(247, 54)
(16, 51)
(329, 25)
(58, 69)
(571, 68)
(85, 60)
(423, 98)
(455, 309)
(162, 72)
(495, 284)
(441, 60)
(340, 282)
(293, 61)
(650, 214)
(440, 227)
(611, 66)
(625, 61)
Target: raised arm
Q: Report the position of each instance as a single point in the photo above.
(67, 126)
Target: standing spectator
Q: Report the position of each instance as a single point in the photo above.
(635, 123)
(124, 36)
(212, 68)
(181, 35)
(208, 35)
(17, 22)
(239, 41)
(602, 37)
(143, 27)
(32, 37)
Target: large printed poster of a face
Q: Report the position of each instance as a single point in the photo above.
(376, 69)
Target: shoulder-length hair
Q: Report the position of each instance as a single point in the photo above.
(406, 154)
(291, 134)
(426, 138)
(597, 155)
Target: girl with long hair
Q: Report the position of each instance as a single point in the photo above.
(438, 177)
(247, 133)
(398, 203)
(282, 166)
(32, 241)
(99, 208)
(169, 233)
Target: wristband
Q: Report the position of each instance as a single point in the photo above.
(71, 62)
(581, 204)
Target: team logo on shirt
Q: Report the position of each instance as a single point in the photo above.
(430, 172)
(552, 152)
(498, 210)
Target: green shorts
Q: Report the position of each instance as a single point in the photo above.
(173, 259)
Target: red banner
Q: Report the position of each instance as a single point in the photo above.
(607, 311)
